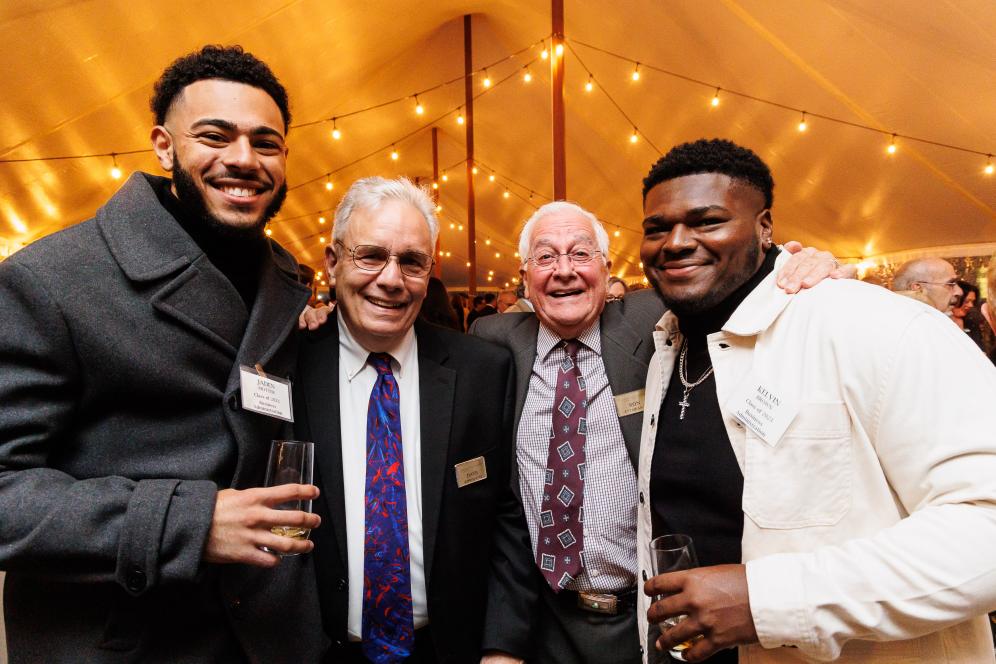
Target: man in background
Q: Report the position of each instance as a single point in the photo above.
(930, 280)
(127, 455)
(506, 299)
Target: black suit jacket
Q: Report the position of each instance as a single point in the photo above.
(626, 328)
(466, 411)
(119, 421)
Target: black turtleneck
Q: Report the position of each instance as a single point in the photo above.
(239, 256)
(696, 486)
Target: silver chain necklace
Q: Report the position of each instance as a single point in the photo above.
(684, 377)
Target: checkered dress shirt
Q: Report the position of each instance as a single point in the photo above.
(610, 493)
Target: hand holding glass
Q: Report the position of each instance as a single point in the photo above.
(673, 553)
(291, 462)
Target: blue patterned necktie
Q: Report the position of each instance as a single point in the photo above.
(560, 543)
(388, 627)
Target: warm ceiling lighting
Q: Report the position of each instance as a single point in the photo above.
(715, 98)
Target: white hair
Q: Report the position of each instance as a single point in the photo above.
(558, 207)
(370, 193)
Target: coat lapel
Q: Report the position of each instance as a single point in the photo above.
(437, 392)
(522, 338)
(626, 373)
(149, 245)
(319, 376)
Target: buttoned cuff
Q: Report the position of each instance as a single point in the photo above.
(776, 592)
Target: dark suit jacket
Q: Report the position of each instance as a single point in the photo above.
(626, 328)
(465, 388)
(120, 420)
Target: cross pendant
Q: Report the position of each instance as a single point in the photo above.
(684, 403)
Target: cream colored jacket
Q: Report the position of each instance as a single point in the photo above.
(870, 525)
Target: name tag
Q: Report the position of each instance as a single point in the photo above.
(266, 395)
(629, 403)
(468, 472)
(762, 410)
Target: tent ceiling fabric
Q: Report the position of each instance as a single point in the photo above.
(78, 76)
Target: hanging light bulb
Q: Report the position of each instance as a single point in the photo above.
(445, 177)
(488, 242)
(634, 137)
(506, 194)
(544, 54)
(616, 233)
(321, 239)
(590, 85)
(497, 254)
(321, 220)
(459, 227)
(891, 149)
(802, 123)
(559, 50)
(715, 98)
(419, 108)
(336, 134)
(394, 153)
(636, 72)
(528, 76)
(452, 226)
(459, 119)
(468, 263)
(474, 170)
(435, 185)
(268, 231)
(491, 177)
(487, 79)
(328, 182)
(449, 253)
(988, 170)
(439, 208)
(115, 171)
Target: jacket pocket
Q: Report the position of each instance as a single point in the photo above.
(803, 479)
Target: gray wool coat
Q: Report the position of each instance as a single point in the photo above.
(119, 420)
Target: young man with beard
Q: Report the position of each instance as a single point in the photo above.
(127, 458)
(837, 481)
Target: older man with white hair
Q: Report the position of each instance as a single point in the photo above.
(581, 364)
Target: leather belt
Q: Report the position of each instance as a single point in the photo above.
(606, 603)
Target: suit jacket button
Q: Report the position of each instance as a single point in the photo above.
(342, 584)
(135, 579)
(233, 402)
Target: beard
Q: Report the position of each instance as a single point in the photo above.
(193, 204)
(686, 306)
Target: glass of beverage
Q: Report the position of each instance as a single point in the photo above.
(291, 462)
(672, 553)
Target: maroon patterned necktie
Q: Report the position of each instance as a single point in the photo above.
(560, 545)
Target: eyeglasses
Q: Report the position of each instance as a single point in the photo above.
(949, 284)
(371, 258)
(547, 259)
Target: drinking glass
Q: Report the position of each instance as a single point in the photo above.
(291, 462)
(673, 553)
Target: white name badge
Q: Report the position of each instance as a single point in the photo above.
(761, 410)
(266, 395)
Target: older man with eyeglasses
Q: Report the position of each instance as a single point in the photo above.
(412, 431)
(931, 280)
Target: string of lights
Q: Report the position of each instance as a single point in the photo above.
(592, 81)
(394, 143)
(803, 125)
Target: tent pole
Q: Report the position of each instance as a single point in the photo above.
(557, 84)
(468, 91)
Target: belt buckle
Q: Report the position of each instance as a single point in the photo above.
(599, 603)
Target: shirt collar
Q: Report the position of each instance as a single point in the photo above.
(547, 339)
(353, 355)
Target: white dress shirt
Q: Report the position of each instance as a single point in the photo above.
(356, 381)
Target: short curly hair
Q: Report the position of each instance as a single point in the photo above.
(230, 63)
(712, 156)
